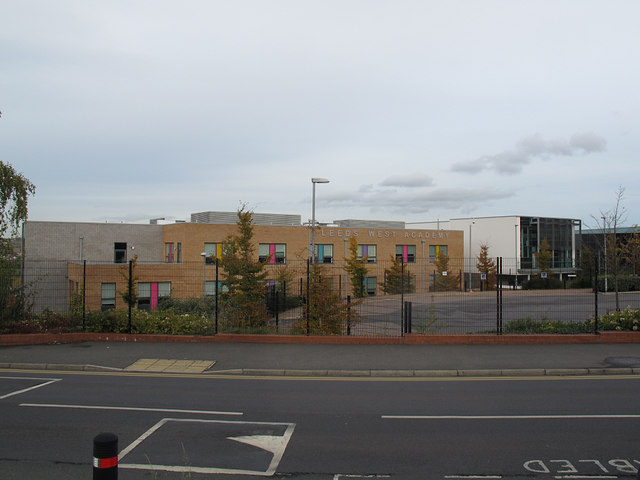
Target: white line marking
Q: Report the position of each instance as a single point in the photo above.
(338, 476)
(472, 476)
(500, 417)
(133, 409)
(24, 390)
(585, 476)
(212, 470)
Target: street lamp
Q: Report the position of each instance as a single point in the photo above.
(470, 254)
(313, 217)
(604, 234)
(515, 245)
(204, 273)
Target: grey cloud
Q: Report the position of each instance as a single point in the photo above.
(411, 181)
(528, 149)
(589, 142)
(436, 198)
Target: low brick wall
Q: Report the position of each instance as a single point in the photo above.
(409, 339)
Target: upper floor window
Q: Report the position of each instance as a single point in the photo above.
(368, 251)
(272, 252)
(406, 252)
(435, 250)
(212, 251)
(120, 252)
(173, 252)
(324, 253)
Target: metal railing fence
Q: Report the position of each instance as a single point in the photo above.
(385, 299)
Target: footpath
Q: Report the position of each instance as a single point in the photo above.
(327, 359)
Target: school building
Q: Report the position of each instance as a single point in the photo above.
(178, 259)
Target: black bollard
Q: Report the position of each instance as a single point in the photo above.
(105, 457)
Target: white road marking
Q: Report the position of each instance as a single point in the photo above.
(48, 381)
(279, 445)
(501, 417)
(133, 409)
(472, 476)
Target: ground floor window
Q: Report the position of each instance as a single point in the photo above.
(150, 292)
(108, 301)
(210, 288)
(370, 286)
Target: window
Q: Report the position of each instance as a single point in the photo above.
(120, 252)
(272, 252)
(368, 251)
(324, 253)
(370, 286)
(406, 252)
(108, 301)
(213, 251)
(150, 292)
(173, 254)
(210, 288)
(435, 250)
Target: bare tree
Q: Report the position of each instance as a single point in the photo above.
(610, 221)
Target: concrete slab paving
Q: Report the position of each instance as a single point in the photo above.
(169, 365)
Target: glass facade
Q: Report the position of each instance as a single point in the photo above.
(559, 233)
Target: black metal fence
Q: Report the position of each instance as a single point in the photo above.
(388, 299)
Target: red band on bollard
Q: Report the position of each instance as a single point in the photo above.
(105, 462)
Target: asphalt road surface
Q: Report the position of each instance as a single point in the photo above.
(204, 427)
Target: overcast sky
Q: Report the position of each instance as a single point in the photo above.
(414, 110)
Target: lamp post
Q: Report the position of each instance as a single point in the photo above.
(204, 274)
(470, 254)
(604, 235)
(515, 245)
(313, 217)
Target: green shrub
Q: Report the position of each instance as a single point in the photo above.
(531, 326)
(624, 320)
(161, 322)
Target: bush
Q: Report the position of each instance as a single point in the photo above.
(164, 322)
(45, 322)
(531, 326)
(624, 320)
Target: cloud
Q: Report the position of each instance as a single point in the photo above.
(410, 181)
(528, 149)
(398, 201)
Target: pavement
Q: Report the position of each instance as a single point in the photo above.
(328, 360)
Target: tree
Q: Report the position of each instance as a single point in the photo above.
(14, 194)
(357, 269)
(543, 257)
(444, 279)
(487, 266)
(129, 294)
(326, 313)
(243, 276)
(611, 220)
(631, 251)
(394, 281)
